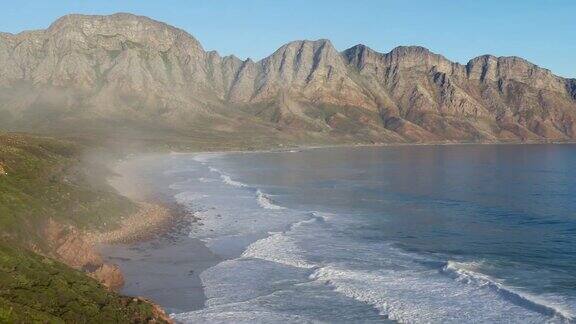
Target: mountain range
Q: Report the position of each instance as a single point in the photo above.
(104, 73)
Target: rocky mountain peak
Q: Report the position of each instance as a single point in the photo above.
(404, 57)
(489, 68)
(360, 54)
(303, 52)
(417, 57)
(122, 26)
(302, 62)
(133, 68)
(410, 51)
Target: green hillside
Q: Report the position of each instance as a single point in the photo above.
(36, 289)
(43, 178)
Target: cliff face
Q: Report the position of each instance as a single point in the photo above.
(489, 98)
(137, 71)
(68, 246)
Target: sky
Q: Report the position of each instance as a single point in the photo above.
(541, 31)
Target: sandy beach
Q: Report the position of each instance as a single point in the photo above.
(165, 270)
(151, 220)
(152, 247)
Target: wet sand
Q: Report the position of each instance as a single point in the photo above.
(165, 270)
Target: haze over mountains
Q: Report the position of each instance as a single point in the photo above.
(95, 73)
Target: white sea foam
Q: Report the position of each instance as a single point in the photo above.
(403, 295)
(316, 217)
(415, 296)
(205, 157)
(467, 272)
(338, 278)
(278, 248)
(240, 317)
(186, 197)
(401, 289)
(227, 180)
(266, 202)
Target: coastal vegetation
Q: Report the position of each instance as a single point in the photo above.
(38, 289)
(45, 179)
(45, 182)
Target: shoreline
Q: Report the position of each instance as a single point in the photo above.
(154, 254)
(152, 248)
(150, 221)
(376, 145)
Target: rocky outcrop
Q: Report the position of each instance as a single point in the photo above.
(67, 245)
(138, 72)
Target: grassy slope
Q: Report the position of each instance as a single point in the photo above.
(38, 289)
(44, 180)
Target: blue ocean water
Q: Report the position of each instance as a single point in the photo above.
(415, 234)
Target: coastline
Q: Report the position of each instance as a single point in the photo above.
(266, 251)
(296, 147)
(152, 248)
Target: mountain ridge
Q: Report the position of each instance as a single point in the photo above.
(137, 70)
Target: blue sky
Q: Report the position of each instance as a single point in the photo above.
(542, 31)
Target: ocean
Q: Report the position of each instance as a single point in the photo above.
(411, 234)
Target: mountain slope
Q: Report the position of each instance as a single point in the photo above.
(101, 73)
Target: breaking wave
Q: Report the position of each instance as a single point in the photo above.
(227, 180)
(291, 254)
(464, 272)
(266, 202)
(403, 290)
(263, 199)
